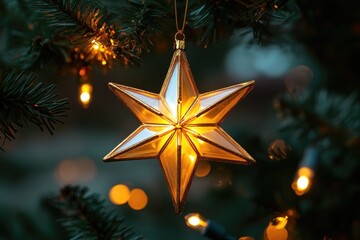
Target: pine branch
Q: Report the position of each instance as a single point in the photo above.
(84, 216)
(24, 100)
(81, 22)
(139, 23)
(78, 21)
(322, 116)
(220, 18)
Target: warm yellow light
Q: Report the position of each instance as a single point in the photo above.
(95, 45)
(85, 97)
(203, 169)
(103, 62)
(276, 229)
(305, 171)
(119, 194)
(85, 94)
(82, 72)
(280, 222)
(302, 183)
(138, 199)
(196, 221)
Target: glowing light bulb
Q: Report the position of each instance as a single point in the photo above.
(302, 181)
(95, 45)
(196, 221)
(82, 72)
(103, 62)
(85, 92)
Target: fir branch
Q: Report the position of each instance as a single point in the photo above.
(320, 115)
(215, 18)
(78, 21)
(24, 100)
(84, 216)
(139, 23)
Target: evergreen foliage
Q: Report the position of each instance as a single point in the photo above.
(63, 31)
(321, 117)
(83, 216)
(23, 100)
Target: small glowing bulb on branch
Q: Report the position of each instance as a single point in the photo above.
(103, 62)
(95, 45)
(305, 173)
(196, 221)
(276, 229)
(302, 181)
(82, 72)
(85, 93)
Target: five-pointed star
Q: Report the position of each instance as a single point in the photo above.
(180, 126)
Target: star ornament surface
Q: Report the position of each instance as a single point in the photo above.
(179, 126)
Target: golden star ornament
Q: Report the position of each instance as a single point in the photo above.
(179, 126)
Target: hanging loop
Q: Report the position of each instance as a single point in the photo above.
(184, 19)
(179, 35)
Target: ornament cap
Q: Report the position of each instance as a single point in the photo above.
(179, 40)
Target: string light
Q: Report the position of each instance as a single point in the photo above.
(276, 229)
(302, 181)
(196, 221)
(85, 94)
(304, 175)
(209, 229)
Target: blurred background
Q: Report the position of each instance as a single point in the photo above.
(302, 113)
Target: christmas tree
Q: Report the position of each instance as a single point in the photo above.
(300, 122)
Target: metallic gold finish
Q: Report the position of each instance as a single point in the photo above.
(180, 44)
(179, 126)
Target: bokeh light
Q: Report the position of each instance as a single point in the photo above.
(138, 199)
(67, 171)
(85, 92)
(298, 78)
(248, 60)
(302, 181)
(203, 169)
(119, 194)
(75, 170)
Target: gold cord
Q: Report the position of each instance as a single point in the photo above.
(176, 17)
